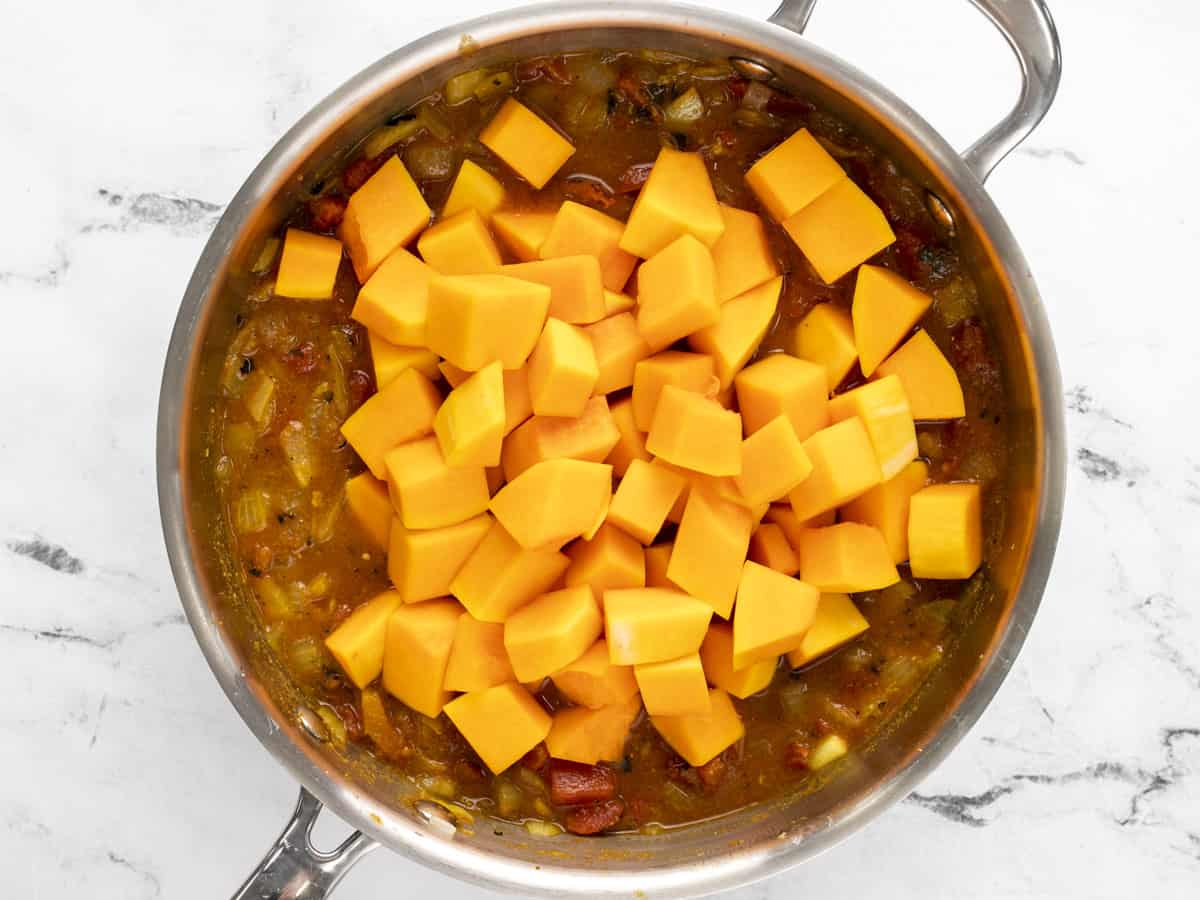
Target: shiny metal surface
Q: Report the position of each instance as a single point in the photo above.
(734, 849)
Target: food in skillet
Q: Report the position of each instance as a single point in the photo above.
(611, 442)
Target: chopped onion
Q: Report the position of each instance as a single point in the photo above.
(250, 512)
(298, 451)
(684, 111)
(757, 96)
(462, 87)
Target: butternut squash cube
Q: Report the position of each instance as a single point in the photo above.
(645, 625)
(518, 405)
(783, 385)
(593, 681)
(930, 382)
(773, 613)
(470, 423)
(590, 438)
(658, 558)
(495, 479)
(474, 188)
(422, 563)
(675, 687)
(308, 266)
(387, 212)
(460, 245)
(478, 659)
(615, 303)
(552, 631)
(358, 642)
(691, 371)
(710, 547)
(773, 462)
(885, 309)
(554, 501)
(769, 547)
(697, 433)
(590, 736)
(740, 329)
(500, 577)
(419, 638)
(429, 493)
(677, 199)
(367, 500)
(846, 558)
(677, 292)
(742, 256)
(531, 147)
(631, 443)
(522, 233)
(644, 498)
(562, 370)
(716, 654)
(618, 347)
(611, 559)
(885, 507)
(395, 300)
(945, 531)
(793, 174)
(400, 412)
(453, 374)
(781, 514)
(501, 723)
(700, 737)
(840, 229)
(576, 292)
(883, 408)
(389, 360)
(844, 466)
(579, 229)
(476, 319)
(826, 337)
(837, 622)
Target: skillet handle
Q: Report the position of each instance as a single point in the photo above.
(1029, 29)
(294, 869)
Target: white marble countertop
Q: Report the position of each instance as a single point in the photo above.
(126, 126)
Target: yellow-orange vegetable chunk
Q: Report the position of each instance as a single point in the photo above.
(357, 643)
(367, 499)
(644, 625)
(530, 147)
(844, 466)
(716, 653)
(501, 723)
(562, 370)
(418, 642)
(691, 371)
(674, 687)
(590, 736)
(710, 547)
(470, 423)
(474, 188)
(930, 382)
(387, 212)
(677, 292)
(552, 631)
(677, 199)
(576, 289)
(618, 346)
(500, 577)
(846, 558)
(590, 437)
(743, 323)
(631, 443)
(610, 559)
(883, 408)
(460, 245)
(826, 337)
(593, 681)
(389, 360)
(781, 514)
(658, 558)
(395, 300)
(308, 266)
(695, 432)
(478, 659)
(793, 174)
(885, 309)
(615, 303)
(554, 501)
(579, 229)
(885, 507)
(837, 622)
(840, 229)
(783, 385)
(429, 493)
(773, 613)
(742, 257)
(769, 547)
(644, 498)
(477, 319)
(701, 736)
(945, 531)
(422, 563)
(518, 405)
(522, 233)
(400, 412)
(773, 462)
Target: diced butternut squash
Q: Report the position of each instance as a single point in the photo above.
(883, 408)
(930, 382)
(884, 311)
(429, 493)
(716, 654)
(522, 233)
(576, 291)
(695, 432)
(308, 266)
(611, 559)
(618, 347)
(840, 229)
(400, 412)
(826, 337)
(769, 547)
(474, 188)
(644, 498)
(677, 199)
(829, 749)
(367, 499)
(677, 292)
(742, 257)
(419, 638)
(793, 174)
(518, 405)
(674, 687)
(590, 736)
(710, 548)
(453, 374)
(844, 466)
(554, 501)
(358, 643)
(562, 370)
(495, 479)
(658, 558)
(783, 385)
(530, 147)
(885, 507)
(740, 329)
(773, 613)
(500, 577)
(395, 300)
(700, 737)
(422, 563)
(631, 443)
(460, 245)
(387, 212)
(784, 516)
(590, 437)
(593, 681)
(501, 723)
(846, 558)
(645, 625)
(945, 531)
(773, 462)
(389, 360)
(691, 371)
(579, 229)
(470, 423)
(837, 622)
(552, 631)
(478, 659)
(615, 303)
(476, 319)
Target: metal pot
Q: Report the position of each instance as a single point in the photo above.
(737, 848)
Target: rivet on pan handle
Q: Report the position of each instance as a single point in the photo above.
(1029, 29)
